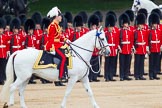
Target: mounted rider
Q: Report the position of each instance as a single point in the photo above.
(55, 40)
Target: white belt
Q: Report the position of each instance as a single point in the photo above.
(155, 41)
(31, 47)
(125, 42)
(2, 46)
(141, 43)
(16, 46)
(111, 44)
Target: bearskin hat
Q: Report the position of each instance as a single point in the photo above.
(2, 23)
(154, 19)
(158, 11)
(130, 13)
(45, 23)
(140, 19)
(68, 16)
(22, 18)
(99, 15)
(37, 17)
(110, 20)
(113, 13)
(8, 19)
(84, 16)
(15, 23)
(93, 20)
(29, 24)
(144, 11)
(63, 23)
(123, 18)
(78, 21)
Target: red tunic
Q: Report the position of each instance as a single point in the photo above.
(30, 41)
(113, 40)
(54, 32)
(75, 35)
(84, 30)
(3, 45)
(69, 31)
(38, 33)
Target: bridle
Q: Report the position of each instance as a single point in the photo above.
(135, 6)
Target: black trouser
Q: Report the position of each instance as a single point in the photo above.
(3, 62)
(109, 67)
(124, 60)
(116, 62)
(139, 65)
(159, 64)
(95, 66)
(153, 64)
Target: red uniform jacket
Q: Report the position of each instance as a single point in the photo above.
(44, 40)
(155, 39)
(126, 38)
(16, 42)
(69, 31)
(3, 45)
(38, 33)
(140, 41)
(23, 34)
(84, 30)
(75, 35)
(8, 33)
(30, 41)
(112, 39)
(54, 40)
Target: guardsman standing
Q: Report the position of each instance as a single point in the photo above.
(140, 46)
(158, 11)
(85, 18)
(7, 31)
(29, 27)
(3, 50)
(125, 49)
(93, 23)
(112, 36)
(155, 42)
(69, 19)
(37, 18)
(16, 38)
(77, 24)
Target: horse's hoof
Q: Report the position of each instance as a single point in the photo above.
(5, 105)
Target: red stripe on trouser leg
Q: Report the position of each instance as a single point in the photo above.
(62, 64)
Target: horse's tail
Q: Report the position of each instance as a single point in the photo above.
(4, 95)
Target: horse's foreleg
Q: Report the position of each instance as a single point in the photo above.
(21, 93)
(89, 91)
(70, 86)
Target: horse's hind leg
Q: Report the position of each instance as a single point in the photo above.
(86, 85)
(21, 93)
(70, 85)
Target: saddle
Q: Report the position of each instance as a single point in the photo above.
(47, 60)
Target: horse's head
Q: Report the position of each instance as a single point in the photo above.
(101, 42)
(136, 6)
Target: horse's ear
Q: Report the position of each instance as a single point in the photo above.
(100, 28)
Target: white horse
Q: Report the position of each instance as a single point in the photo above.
(24, 60)
(147, 4)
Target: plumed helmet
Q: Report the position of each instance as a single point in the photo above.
(29, 24)
(68, 16)
(99, 15)
(110, 20)
(15, 23)
(2, 23)
(45, 23)
(130, 13)
(54, 12)
(123, 18)
(154, 19)
(113, 13)
(140, 19)
(93, 20)
(22, 18)
(144, 11)
(158, 11)
(78, 21)
(63, 23)
(37, 17)
(84, 16)
(8, 19)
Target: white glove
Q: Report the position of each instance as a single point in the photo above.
(147, 48)
(161, 48)
(53, 52)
